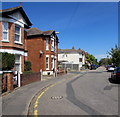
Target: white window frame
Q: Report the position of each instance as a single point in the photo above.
(18, 34)
(52, 62)
(47, 68)
(52, 46)
(47, 43)
(18, 63)
(5, 31)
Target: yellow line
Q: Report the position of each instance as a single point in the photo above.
(35, 113)
(36, 102)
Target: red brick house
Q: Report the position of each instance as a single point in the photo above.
(42, 49)
(13, 25)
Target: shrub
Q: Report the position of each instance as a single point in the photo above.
(7, 61)
(27, 66)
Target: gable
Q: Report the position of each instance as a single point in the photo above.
(18, 16)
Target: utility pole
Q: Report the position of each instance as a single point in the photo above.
(119, 25)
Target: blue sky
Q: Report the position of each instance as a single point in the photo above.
(91, 26)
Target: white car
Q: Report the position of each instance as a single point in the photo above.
(111, 68)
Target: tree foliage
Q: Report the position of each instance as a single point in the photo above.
(105, 61)
(91, 59)
(115, 56)
(7, 61)
(27, 66)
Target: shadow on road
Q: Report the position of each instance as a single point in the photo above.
(72, 98)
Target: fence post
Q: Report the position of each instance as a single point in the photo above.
(19, 80)
(41, 73)
(56, 73)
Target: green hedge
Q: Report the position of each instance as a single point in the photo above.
(27, 66)
(7, 61)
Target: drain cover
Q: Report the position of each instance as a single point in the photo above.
(56, 97)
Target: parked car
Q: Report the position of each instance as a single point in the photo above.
(115, 75)
(110, 68)
(93, 66)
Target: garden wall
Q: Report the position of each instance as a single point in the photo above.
(29, 78)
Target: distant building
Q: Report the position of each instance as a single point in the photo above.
(42, 49)
(72, 58)
(13, 25)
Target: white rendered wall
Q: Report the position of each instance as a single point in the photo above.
(71, 58)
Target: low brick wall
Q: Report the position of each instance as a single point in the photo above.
(7, 82)
(62, 72)
(29, 78)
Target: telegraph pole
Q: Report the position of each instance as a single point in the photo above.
(119, 25)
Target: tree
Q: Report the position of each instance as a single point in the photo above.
(7, 61)
(115, 54)
(105, 61)
(91, 59)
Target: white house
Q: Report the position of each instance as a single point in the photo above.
(72, 57)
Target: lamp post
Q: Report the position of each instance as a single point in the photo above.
(55, 60)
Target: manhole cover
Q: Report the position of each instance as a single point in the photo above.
(56, 97)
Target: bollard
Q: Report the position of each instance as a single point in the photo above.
(41, 73)
(19, 80)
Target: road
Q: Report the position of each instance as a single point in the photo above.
(77, 93)
(90, 93)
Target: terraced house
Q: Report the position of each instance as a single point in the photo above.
(42, 49)
(13, 25)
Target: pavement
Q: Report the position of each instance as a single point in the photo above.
(18, 101)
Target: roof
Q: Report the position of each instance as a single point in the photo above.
(6, 12)
(69, 51)
(36, 31)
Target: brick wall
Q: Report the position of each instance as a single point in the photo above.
(11, 44)
(7, 82)
(11, 37)
(34, 45)
(29, 78)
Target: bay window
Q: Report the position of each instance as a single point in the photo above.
(47, 63)
(17, 34)
(17, 63)
(47, 44)
(4, 31)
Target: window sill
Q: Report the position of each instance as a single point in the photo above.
(6, 41)
(16, 42)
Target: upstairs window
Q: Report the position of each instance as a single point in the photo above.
(80, 59)
(47, 63)
(17, 34)
(47, 44)
(52, 47)
(52, 62)
(5, 31)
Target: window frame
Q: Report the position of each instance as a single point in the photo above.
(80, 59)
(52, 62)
(47, 43)
(18, 34)
(5, 31)
(47, 63)
(18, 62)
